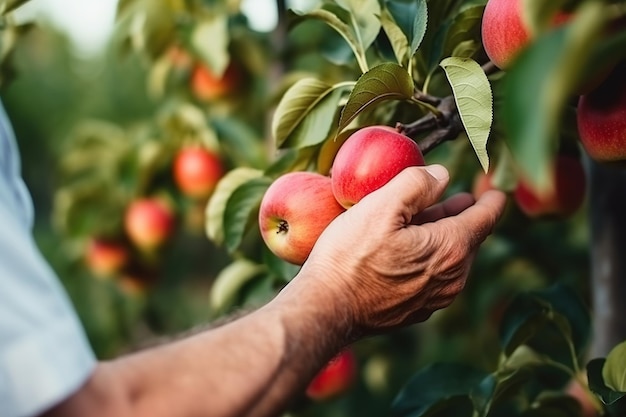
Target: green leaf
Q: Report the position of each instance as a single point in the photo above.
(552, 322)
(411, 18)
(364, 20)
(230, 281)
(216, 206)
(538, 87)
(614, 401)
(240, 208)
(305, 113)
(464, 30)
(434, 387)
(210, 40)
(614, 370)
(386, 81)
(474, 100)
(343, 27)
(397, 39)
(9, 5)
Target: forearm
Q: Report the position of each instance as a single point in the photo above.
(250, 367)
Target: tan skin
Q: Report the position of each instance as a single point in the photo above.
(390, 261)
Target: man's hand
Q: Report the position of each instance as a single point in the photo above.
(398, 255)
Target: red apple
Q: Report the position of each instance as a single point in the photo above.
(206, 86)
(601, 119)
(335, 378)
(105, 257)
(294, 212)
(148, 222)
(504, 33)
(566, 196)
(196, 171)
(368, 159)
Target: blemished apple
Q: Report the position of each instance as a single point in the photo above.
(335, 378)
(504, 33)
(368, 159)
(601, 119)
(148, 222)
(104, 257)
(566, 197)
(294, 211)
(196, 171)
(207, 87)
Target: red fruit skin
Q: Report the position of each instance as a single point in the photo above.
(197, 171)
(148, 223)
(335, 378)
(208, 87)
(601, 119)
(566, 197)
(368, 159)
(504, 33)
(482, 183)
(105, 258)
(305, 204)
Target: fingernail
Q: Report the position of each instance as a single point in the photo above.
(439, 172)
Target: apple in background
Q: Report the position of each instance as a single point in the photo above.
(335, 378)
(105, 258)
(196, 171)
(368, 159)
(482, 183)
(294, 212)
(206, 86)
(566, 197)
(601, 119)
(504, 33)
(148, 222)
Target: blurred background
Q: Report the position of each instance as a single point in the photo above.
(98, 110)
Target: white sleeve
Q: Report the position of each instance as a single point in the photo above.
(44, 353)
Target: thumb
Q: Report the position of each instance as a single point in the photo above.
(412, 190)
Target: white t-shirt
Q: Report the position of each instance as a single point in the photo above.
(44, 354)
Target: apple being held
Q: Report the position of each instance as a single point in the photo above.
(601, 119)
(335, 378)
(196, 171)
(566, 196)
(148, 222)
(368, 159)
(105, 257)
(504, 32)
(294, 212)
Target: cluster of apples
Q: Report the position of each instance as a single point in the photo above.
(148, 222)
(601, 112)
(298, 206)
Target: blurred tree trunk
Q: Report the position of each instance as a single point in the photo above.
(607, 210)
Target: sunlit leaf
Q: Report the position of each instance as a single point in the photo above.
(614, 370)
(240, 208)
(614, 401)
(297, 103)
(386, 81)
(411, 18)
(364, 19)
(474, 100)
(210, 39)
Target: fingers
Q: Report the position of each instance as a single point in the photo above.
(411, 191)
(451, 207)
(476, 222)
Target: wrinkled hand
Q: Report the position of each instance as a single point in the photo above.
(398, 255)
